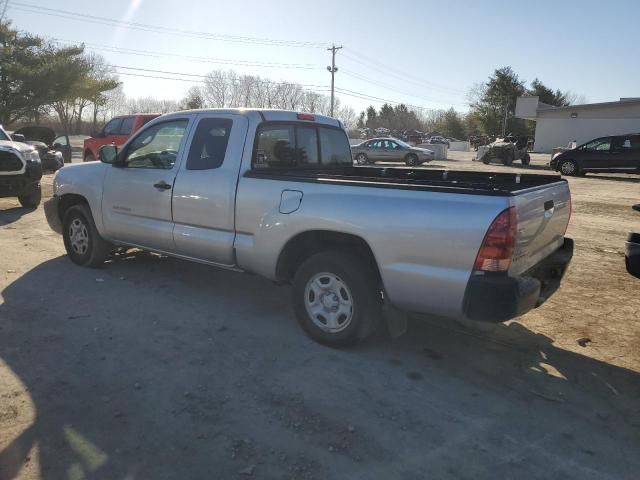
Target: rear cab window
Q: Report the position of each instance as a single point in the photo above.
(300, 145)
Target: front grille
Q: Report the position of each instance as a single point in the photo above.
(9, 162)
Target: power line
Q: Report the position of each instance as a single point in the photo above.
(157, 54)
(400, 76)
(194, 75)
(394, 89)
(55, 12)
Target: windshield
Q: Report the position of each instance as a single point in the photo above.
(402, 144)
(4, 135)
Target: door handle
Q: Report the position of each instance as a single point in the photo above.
(162, 185)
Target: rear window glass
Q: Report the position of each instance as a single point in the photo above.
(276, 147)
(209, 144)
(308, 146)
(297, 146)
(334, 147)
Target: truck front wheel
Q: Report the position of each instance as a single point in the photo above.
(82, 241)
(32, 198)
(336, 297)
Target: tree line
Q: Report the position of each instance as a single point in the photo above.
(492, 104)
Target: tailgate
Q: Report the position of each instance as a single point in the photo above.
(542, 217)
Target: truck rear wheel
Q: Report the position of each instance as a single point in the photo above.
(336, 298)
(82, 241)
(32, 198)
(526, 159)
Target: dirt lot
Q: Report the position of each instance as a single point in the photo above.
(154, 368)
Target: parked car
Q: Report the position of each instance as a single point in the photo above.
(20, 171)
(439, 141)
(117, 131)
(276, 193)
(619, 153)
(54, 150)
(632, 251)
(390, 150)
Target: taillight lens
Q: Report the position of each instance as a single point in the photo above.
(570, 213)
(306, 116)
(497, 247)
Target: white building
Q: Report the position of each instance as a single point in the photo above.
(558, 126)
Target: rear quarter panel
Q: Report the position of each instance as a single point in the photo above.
(425, 243)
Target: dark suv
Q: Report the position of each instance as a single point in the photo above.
(619, 153)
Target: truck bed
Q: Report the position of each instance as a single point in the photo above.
(450, 181)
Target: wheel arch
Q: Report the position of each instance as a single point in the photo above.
(304, 244)
(67, 201)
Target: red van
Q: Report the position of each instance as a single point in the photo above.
(117, 131)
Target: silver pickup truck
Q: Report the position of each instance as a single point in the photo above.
(276, 193)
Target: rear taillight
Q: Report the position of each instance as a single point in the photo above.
(569, 219)
(497, 247)
(306, 116)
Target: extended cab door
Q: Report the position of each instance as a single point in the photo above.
(205, 191)
(136, 199)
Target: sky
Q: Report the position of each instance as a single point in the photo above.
(420, 52)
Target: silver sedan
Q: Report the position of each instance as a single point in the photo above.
(390, 150)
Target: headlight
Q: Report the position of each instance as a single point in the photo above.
(32, 156)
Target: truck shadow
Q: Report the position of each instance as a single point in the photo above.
(13, 214)
(157, 368)
(612, 178)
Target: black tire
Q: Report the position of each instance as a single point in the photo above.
(486, 159)
(362, 159)
(526, 159)
(362, 291)
(569, 168)
(411, 160)
(507, 159)
(95, 250)
(32, 198)
(88, 157)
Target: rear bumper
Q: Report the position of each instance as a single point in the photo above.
(632, 254)
(499, 297)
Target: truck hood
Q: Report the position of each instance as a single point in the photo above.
(37, 134)
(8, 145)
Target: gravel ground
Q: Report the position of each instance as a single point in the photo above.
(155, 368)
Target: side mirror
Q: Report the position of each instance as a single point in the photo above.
(18, 137)
(108, 154)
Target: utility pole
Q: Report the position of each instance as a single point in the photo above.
(504, 122)
(333, 69)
